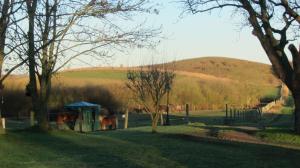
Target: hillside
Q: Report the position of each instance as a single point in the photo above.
(206, 77)
(206, 83)
(234, 69)
(211, 68)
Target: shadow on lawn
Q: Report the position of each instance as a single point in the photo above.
(88, 150)
(67, 151)
(198, 151)
(135, 148)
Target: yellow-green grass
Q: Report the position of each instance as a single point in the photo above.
(235, 69)
(188, 88)
(202, 89)
(96, 74)
(174, 146)
(178, 145)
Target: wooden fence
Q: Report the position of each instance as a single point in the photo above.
(235, 114)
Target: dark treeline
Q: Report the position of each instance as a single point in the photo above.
(17, 105)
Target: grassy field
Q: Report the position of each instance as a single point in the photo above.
(205, 142)
(174, 146)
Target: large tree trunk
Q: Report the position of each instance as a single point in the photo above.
(31, 9)
(1, 82)
(44, 94)
(297, 114)
(295, 85)
(296, 95)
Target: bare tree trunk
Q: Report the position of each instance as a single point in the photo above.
(126, 119)
(45, 89)
(295, 86)
(31, 8)
(155, 122)
(297, 112)
(2, 55)
(154, 126)
(4, 21)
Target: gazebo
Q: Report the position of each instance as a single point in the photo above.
(88, 114)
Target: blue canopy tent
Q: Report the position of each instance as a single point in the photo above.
(88, 114)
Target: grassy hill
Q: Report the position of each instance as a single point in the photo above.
(202, 78)
(234, 69)
(206, 83)
(209, 68)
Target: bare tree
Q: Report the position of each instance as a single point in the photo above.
(149, 85)
(7, 9)
(61, 30)
(276, 24)
(8, 48)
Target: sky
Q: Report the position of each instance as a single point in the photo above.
(217, 34)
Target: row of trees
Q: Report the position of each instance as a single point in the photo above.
(45, 35)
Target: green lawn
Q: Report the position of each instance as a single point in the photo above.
(199, 144)
(174, 146)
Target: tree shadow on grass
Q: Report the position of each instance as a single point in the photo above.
(136, 148)
(196, 151)
(70, 149)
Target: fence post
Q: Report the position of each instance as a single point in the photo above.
(80, 119)
(226, 111)
(31, 118)
(126, 119)
(2, 126)
(234, 114)
(3, 123)
(187, 113)
(260, 113)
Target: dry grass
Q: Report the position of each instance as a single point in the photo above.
(206, 83)
(235, 69)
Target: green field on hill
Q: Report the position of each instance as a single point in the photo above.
(205, 83)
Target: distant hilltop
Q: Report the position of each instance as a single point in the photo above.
(214, 68)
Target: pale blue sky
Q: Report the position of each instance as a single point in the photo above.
(216, 34)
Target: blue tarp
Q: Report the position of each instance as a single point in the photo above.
(89, 113)
(81, 104)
